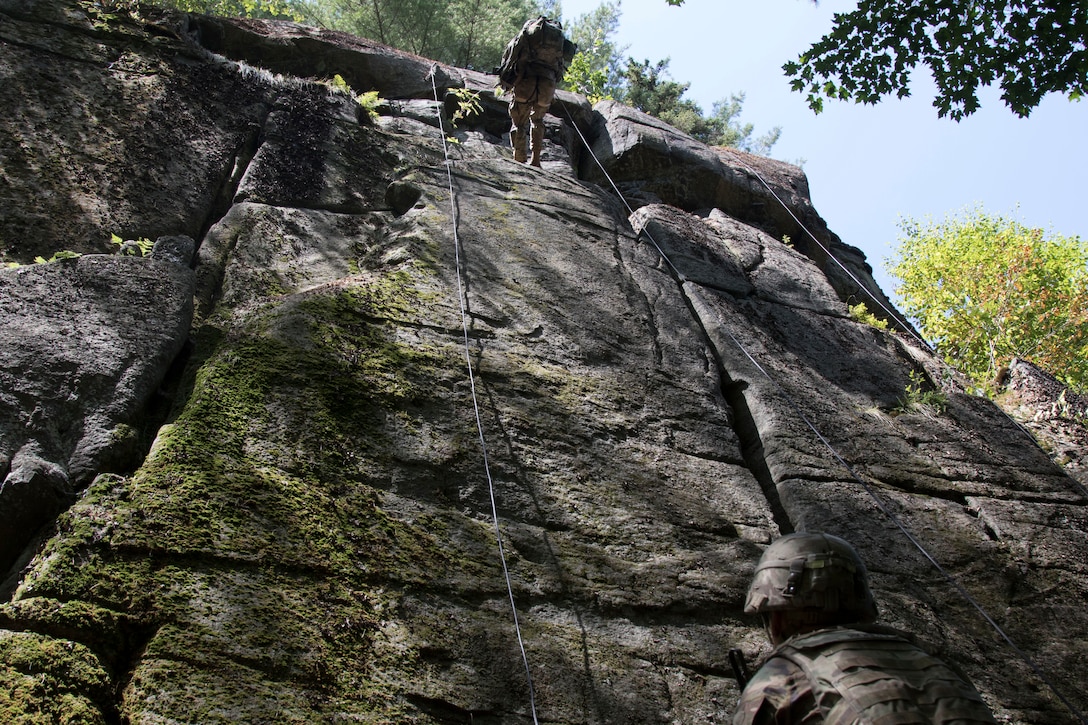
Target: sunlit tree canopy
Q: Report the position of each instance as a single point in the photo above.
(985, 289)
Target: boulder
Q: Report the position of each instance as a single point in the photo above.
(300, 51)
(88, 343)
(1056, 415)
(651, 161)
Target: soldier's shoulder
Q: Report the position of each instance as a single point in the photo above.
(865, 633)
(779, 686)
(776, 673)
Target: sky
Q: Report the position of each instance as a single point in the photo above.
(868, 166)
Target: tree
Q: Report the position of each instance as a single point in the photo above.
(600, 71)
(649, 90)
(278, 9)
(984, 290)
(597, 69)
(725, 113)
(1029, 47)
(465, 33)
(582, 77)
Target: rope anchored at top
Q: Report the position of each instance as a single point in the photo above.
(461, 299)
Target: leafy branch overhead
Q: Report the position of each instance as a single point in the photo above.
(1028, 47)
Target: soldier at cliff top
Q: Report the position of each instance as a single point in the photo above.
(532, 63)
(831, 664)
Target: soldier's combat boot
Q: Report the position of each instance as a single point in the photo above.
(537, 142)
(517, 142)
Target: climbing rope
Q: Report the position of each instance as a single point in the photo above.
(880, 504)
(866, 486)
(891, 315)
(894, 318)
(461, 299)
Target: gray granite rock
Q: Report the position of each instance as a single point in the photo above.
(396, 333)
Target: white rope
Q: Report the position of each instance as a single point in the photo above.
(865, 485)
(895, 318)
(872, 493)
(947, 366)
(880, 504)
(461, 298)
(619, 193)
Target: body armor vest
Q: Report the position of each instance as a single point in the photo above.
(878, 678)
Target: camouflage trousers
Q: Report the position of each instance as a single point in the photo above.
(532, 98)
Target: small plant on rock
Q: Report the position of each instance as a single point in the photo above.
(860, 313)
(139, 248)
(920, 398)
(57, 256)
(468, 104)
(369, 100)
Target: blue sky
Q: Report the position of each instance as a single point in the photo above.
(867, 166)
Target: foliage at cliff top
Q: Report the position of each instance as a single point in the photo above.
(986, 289)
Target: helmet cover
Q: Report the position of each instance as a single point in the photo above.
(812, 572)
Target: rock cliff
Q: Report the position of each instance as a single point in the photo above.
(389, 428)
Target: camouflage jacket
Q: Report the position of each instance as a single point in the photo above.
(869, 675)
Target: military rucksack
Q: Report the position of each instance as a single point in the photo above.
(540, 43)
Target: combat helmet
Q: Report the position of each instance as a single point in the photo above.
(812, 572)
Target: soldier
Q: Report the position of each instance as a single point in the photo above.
(831, 664)
(532, 64)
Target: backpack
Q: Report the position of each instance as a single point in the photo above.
(539, 43)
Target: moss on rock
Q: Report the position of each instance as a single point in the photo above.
(254, 546)
(46, 680)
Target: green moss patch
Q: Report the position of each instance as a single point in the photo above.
(46, 680)
(254, 562)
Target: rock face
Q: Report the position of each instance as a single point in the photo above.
(425, 435)
(88, 343)
(1056, 416)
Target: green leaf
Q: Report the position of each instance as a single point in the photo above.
(1026, 47)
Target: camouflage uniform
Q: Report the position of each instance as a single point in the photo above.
(867, 674)
(533, 94)
(835, 666)
(532, 64)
